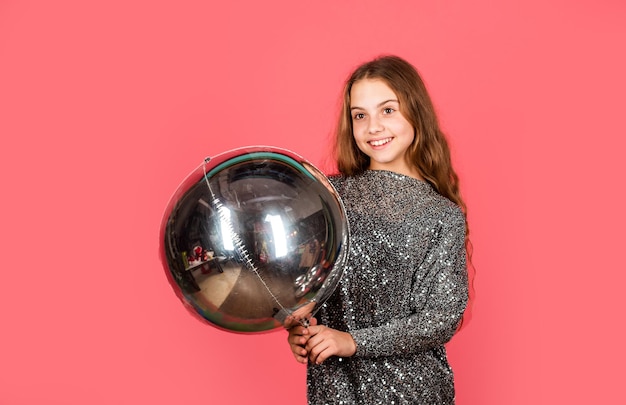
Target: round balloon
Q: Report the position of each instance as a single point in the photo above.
(252, 237)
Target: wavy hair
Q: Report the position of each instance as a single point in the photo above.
(429, 152)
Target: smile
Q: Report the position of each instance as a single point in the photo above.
(380, 142)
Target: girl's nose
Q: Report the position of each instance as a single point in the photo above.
(375, 126)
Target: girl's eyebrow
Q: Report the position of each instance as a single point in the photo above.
(379, 104)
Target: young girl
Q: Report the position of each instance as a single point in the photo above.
(380, 338)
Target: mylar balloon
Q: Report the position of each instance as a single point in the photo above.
(253, 236)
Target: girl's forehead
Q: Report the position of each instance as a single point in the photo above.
(370, 89)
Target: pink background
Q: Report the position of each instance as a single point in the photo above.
(105, 106)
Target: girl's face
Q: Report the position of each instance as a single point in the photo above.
(379, 128)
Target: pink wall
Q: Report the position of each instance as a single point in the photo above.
(106, 105)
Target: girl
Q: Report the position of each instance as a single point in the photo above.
(380, 338)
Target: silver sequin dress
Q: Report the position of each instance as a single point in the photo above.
(401, 296)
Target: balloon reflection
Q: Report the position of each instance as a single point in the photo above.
(253, 236)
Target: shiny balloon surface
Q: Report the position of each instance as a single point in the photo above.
(252, 237)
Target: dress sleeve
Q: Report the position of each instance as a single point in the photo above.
(437, 303)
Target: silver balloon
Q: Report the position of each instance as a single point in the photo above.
(252, 237)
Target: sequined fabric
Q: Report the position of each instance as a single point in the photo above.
(401, 296)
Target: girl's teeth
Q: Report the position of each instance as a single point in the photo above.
(380, 142)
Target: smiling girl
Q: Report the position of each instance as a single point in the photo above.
(380, 338)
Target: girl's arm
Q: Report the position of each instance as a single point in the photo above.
(437, 311)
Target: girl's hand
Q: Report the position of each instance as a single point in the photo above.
(323, 342)
(298, 337)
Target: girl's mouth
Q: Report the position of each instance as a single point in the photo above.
(380, 142)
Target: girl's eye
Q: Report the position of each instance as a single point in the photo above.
(388, 110)
(359, 116)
